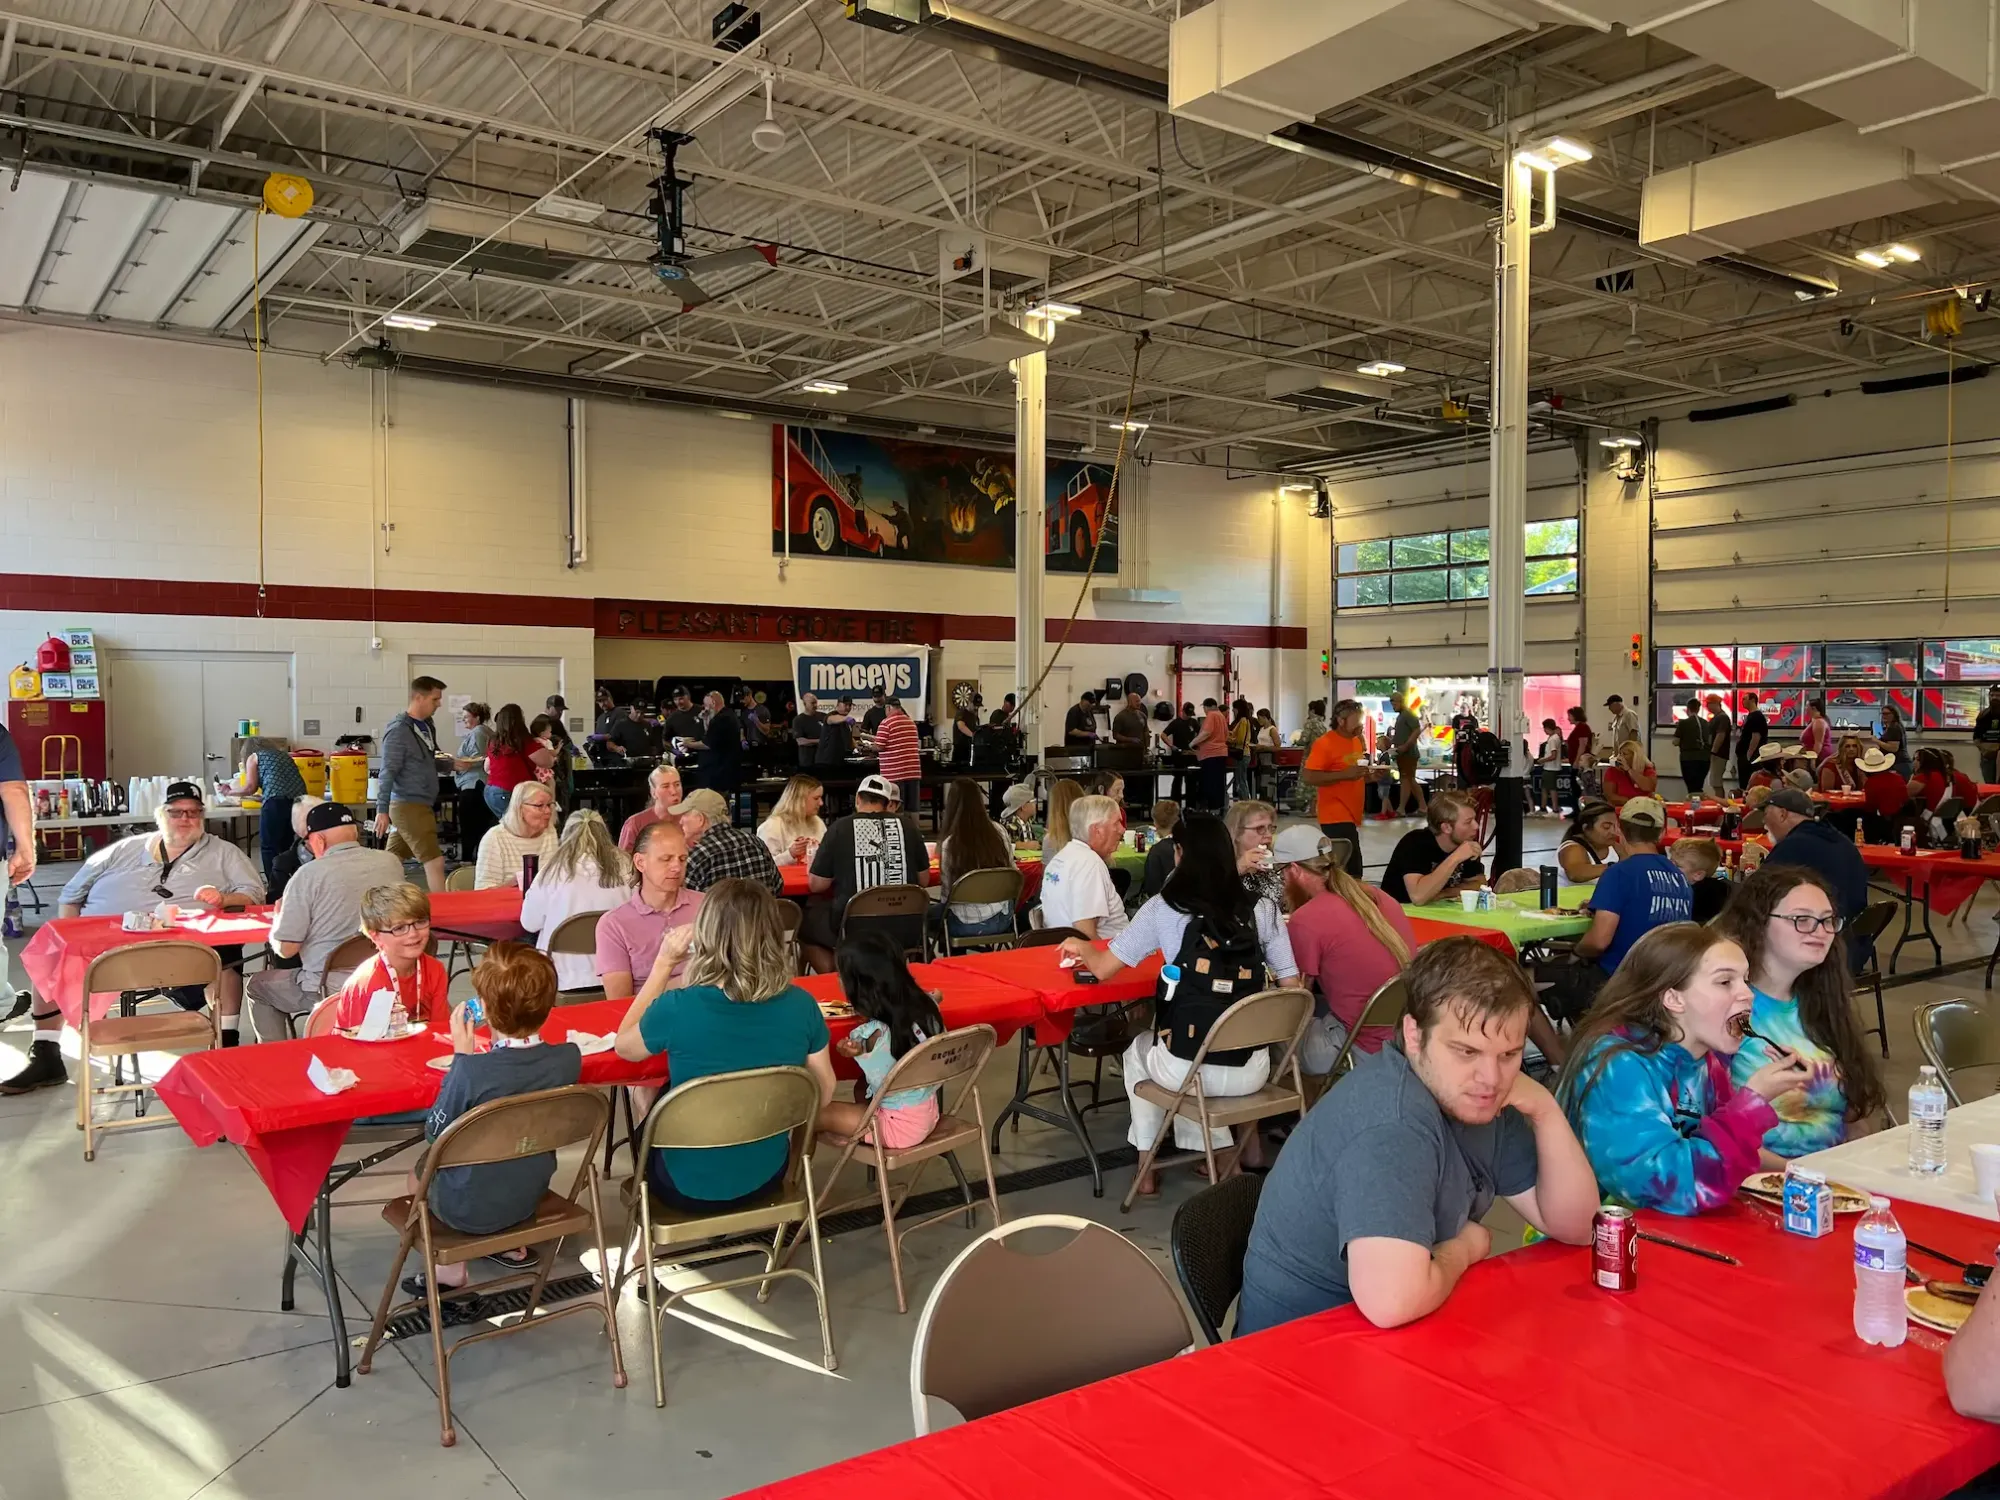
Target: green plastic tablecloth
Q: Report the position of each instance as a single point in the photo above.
(1518, 915)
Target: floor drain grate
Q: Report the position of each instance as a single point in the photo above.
(515, 1299)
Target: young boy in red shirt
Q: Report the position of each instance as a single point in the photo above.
(398, 919)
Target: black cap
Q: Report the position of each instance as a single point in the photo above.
(181, 791)
(328, 816)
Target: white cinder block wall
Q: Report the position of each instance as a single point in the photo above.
(134, 458)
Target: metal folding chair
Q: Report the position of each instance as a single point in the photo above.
(138, 972)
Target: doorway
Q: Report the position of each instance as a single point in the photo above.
(174, 713)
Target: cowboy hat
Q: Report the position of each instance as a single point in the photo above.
(1775, 751)
(1874, 759)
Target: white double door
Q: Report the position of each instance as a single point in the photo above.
(174, 713)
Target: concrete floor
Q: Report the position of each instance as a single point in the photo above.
(142, 1352)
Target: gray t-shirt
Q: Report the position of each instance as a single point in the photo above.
(496, 1195)
(470, 744)
(125, 876)
(321, 908)
(1375, 1159)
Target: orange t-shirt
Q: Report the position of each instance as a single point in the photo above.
(424, 993)
(1339, 801)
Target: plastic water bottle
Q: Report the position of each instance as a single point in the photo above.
(1880, 1254)
(1927, 1106)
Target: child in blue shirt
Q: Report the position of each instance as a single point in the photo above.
(1643, 890)
(897, 1014)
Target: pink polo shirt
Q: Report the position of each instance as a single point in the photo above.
(629, 936)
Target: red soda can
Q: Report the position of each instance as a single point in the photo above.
(1614, 1253)
(530, 863)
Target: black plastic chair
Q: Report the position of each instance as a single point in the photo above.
(1865, 935)
(1210, 1235)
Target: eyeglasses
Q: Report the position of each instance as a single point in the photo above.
(543, 803)
(1804, 923)
(404, 929)
(187, 814)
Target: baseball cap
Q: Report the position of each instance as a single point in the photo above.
(878, 786)
(1645, 810)
(1298, 843)
(1017, 796)
(329, 815)
(706, 801)
(1792, 800)
(1618, 698)
(181, 791)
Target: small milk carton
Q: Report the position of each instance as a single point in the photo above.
(1808, 1203)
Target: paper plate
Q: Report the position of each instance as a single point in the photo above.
(1771, 1186)
(352, 1033)
(1942, 1313)
(440, 1063)
(837, 1010)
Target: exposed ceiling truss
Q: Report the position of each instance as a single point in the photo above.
(1230, 257)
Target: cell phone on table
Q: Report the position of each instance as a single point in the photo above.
(1082, 975)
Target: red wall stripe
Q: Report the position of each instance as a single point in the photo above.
(75, 596)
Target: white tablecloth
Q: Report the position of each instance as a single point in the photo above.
(1880, 1163)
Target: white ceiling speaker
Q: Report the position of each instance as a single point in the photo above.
(768, 134)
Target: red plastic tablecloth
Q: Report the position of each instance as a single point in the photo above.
(968, 999)
(491, 915)
(1040, 972)
(61, 950)
(1429, 930)
(1706, 1381)
(259, 1097)
(1950, 878)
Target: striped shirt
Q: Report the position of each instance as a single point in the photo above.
(896, 747)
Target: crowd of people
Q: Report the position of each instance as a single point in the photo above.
(1704, 1027)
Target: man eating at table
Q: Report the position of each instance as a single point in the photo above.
(628, 936)
(320, 911)
(181, 864)
(1377, 1196)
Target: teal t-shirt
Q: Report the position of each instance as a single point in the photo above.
(702, 1032)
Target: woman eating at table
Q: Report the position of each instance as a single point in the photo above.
(1056, 833)
(794, 828)
(1253, 827)
(663, 785)
(1589, 845)
(586, 873)
(1802, 1001)
(972, 841)
(1629, 774)
(517, 988)
(1938, 779)
(526, 826)
(1647, 1084)
(1771, 762)
(1205, 899)
(733, 1007)
(513, 756)
(1843, 773)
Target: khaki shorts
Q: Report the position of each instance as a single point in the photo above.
(416, 832)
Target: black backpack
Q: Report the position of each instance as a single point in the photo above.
(1218, 966)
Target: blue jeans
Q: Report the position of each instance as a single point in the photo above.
(957, 927)
(496, 800)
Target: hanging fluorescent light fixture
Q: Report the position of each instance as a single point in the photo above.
(1621, 440)
(823, 388)
(1883, 256)
(1379, 367)
(1554, 154)
(1055, 312)
(414, 322)
(1135, 426)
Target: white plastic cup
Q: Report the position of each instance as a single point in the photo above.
(1469, 900)
(1986, 1170)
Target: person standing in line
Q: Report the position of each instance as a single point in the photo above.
(1986, 736)
(898, 756)
(1404, 740)
(721, 759)
(469, 777)
(1720, 729)
(1691, 738)
(1548, 768)
(407, 789)
(1579, 751)
(1624, 723)
(1313, 726)
(806, 726)
(1817, 738)
(1752, 735)
(1211, 752)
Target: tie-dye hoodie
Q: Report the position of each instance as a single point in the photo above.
(1662, 1129)
(1809, 1119)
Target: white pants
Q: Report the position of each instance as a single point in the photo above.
(1321, 1044)
(1146, 1058)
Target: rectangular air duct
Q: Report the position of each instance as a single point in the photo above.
(1325, 390)
(1261, 65)
(1797, 186)
(1922, 76)
(439, 233)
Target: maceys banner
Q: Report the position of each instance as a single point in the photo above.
(831, 670)
(842, 494)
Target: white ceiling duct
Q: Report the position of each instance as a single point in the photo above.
(1258, 66)
(135, 252)
(1922, 76)
(1803, 185)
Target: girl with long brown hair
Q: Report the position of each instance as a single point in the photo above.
(1056, 834)
(972, 841)
(1647, 1085)
(1802, 997)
